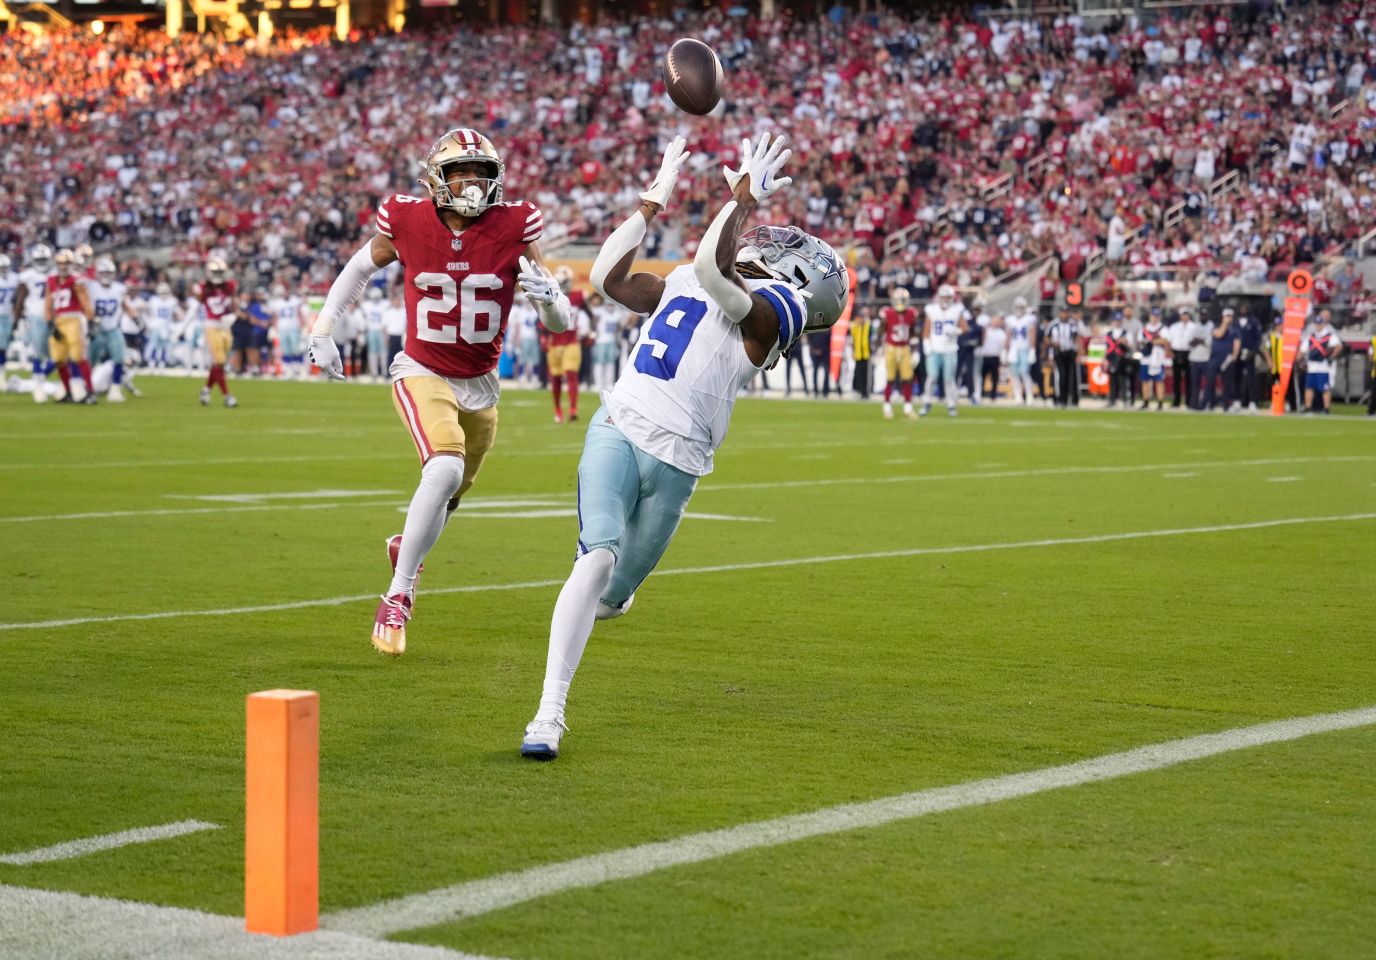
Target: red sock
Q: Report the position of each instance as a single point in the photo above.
(224, 382)
(888, 391)
(908, 391)
(557, 386)
(572, 377)
(85, 367)
(65, 373)
(210, 377)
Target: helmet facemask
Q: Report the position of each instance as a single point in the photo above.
(803, 262)
(457, 147)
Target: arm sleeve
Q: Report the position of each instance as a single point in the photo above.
(734, 301)
(345, 290)
(623, 240)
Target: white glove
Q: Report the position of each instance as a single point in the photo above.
(538, 283)
(761, 163)
(659, 191)
(325, 355)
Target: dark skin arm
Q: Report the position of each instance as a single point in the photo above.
(760, 328)
(635, 291)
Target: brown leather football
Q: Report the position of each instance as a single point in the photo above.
(692, 76)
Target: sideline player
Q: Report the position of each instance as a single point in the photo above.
(714, 326)
(9, 288)
(67, 309)
(900, 326)
(1022, 347)
(218, 299)
(944, 322)
(1319, 346)
(464, 250)
(30, 301)
(109, 304)
(564, 355)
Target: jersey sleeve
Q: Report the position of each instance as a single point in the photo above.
(385, 210)
(785, 301)
(530, 221)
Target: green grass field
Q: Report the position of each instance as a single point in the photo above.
(727, 696)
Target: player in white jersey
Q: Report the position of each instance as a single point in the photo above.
(606, 324)
(286, 316)
(713, 327)
(9, 287)
(109, 303)
(160, 317)
(524, 325)
(944, 320)
(374, 312)
(1022, 347)
(29, 307)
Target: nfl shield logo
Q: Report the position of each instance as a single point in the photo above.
(457, 244)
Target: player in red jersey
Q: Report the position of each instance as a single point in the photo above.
(67, 308)
(465, 251)
(219, 298)
(900, 327)
(563, 352)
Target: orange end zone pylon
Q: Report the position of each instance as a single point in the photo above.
(281, 822)
(1299, 287)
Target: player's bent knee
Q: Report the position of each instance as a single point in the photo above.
(444, 471)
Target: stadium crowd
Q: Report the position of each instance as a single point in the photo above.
(990, 143)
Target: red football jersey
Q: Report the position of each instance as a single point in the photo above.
(571, 334)
(63, 290)
(458, 285)
(218, 299)
(898, 325)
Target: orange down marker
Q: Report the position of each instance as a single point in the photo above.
(281, 822)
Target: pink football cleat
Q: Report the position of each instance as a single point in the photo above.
(389, 625)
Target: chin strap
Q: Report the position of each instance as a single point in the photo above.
(624, 239)
(734, 301)
(345, 290)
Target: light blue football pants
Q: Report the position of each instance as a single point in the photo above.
(941, 368)
(629, 503)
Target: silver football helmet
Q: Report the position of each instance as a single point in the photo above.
(41, 256)
(802, 261)
(105, 269)
(4, 263)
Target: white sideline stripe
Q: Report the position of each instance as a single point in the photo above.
(723, 568)
(1035, 472)
(1282, 479)
(182, 511)
(573, 512)
(46, 924)
(71, 849)
(479, 897)
(297, 495)
(539, 499)
(202, 462)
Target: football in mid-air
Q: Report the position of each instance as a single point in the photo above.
(692, 76)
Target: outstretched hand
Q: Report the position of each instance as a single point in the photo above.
(674, 157)
(761, 164)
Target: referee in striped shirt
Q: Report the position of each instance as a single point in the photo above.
(1063, 335)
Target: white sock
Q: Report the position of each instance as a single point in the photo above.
(570, 626)
(439, 481)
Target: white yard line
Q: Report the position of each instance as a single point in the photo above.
(46, 925)
(723, 568)
(1283, 479)
(291, 495)
(479, 897)
(109, 841)
(545, 499)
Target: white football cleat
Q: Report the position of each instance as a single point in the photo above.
(888, 410)
(231, 402)
(542, 738)
(908, 410)
(40, 395)
(116, 395)
(205, 396)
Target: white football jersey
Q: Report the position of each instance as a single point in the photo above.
(374, 314)
(36, 283)
(945, 326)
(162, 312)
(608, 322)
(107, 303)
(675, 395)
(1020, 330)
(9, 287)
(286, 311)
